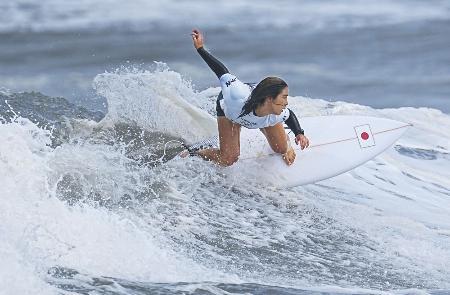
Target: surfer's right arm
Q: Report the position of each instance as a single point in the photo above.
(218, 68)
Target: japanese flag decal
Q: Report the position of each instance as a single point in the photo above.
(365, 136)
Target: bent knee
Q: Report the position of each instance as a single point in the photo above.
(229, 159)
(280, 148)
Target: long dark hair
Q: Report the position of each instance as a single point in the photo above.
(270, 86)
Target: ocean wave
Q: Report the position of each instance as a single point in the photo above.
(87, 210)
(138, 15)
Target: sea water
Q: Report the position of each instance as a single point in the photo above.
(93, 203)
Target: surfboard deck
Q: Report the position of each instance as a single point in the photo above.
(337, 145)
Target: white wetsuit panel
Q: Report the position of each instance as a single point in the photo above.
(235, 94)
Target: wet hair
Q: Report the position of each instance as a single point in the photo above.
(268, 87)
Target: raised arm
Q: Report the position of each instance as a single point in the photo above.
(218, 68)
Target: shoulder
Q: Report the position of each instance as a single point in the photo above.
(274, 119)
(227, 79)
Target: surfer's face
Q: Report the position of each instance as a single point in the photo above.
(280, 102)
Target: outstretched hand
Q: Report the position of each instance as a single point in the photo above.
(302, 140)
(289, 156)
(197, 37)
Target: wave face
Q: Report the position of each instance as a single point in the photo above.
(95, 203)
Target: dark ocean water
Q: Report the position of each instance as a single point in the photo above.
(389, 54)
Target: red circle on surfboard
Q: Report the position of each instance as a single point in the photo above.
(365, 136)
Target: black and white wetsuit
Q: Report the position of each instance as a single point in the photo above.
(234, 95)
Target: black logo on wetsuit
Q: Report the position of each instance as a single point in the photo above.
(228, 83)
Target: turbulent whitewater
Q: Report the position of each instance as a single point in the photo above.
(90, 205)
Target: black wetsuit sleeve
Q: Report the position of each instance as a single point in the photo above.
(293, 123)
(218, 68)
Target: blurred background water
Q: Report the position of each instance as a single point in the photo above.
(378, 53)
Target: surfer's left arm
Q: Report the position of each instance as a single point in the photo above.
(294, 125)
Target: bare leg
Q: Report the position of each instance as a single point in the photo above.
(277, 138)
(229, 140)
(278, 141)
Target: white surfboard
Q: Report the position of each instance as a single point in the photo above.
(337, 144)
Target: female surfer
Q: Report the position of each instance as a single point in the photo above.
(239, 104)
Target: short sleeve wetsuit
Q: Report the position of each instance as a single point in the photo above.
(235, 93)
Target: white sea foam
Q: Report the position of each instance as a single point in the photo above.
(385, 223)
(39, 231)
(157, 101)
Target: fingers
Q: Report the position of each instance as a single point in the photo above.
(303, 141)
(197, 38)
(287, 160)
(306, 142)
(298, 139)
(196, 33)
(289, 157)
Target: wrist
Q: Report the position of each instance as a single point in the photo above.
(288, 150)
